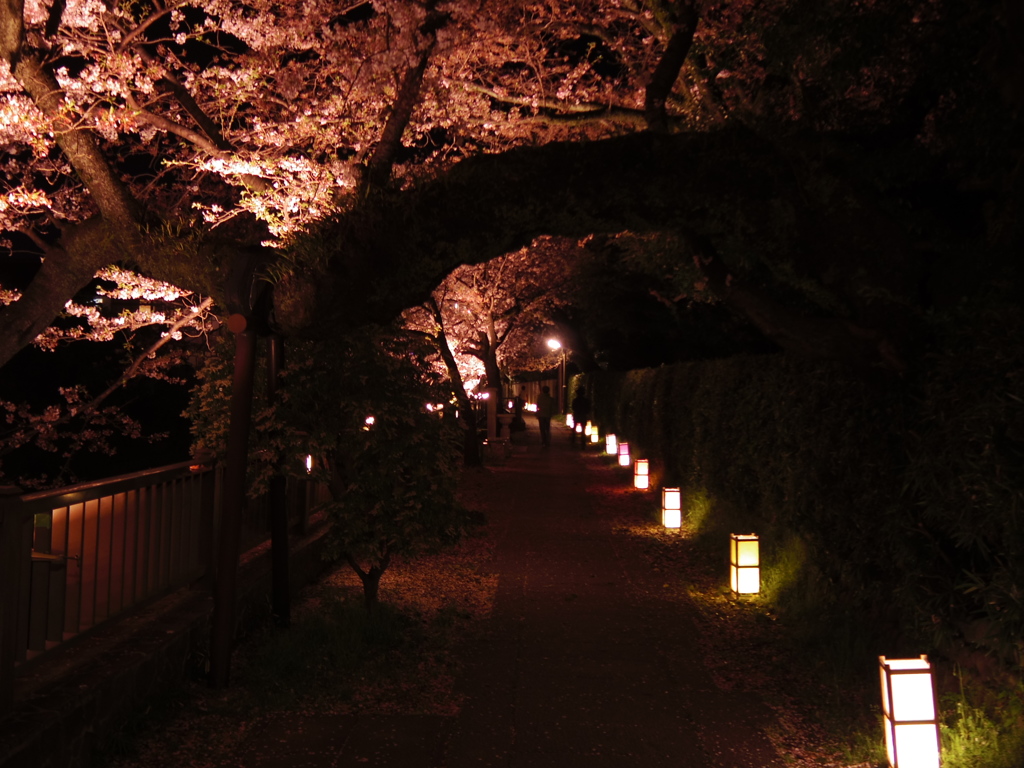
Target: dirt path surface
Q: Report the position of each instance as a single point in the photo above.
(585, 660)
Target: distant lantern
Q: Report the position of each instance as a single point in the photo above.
(911, 713)
(642, 474)
(595, 437)
(744, 563)
(309, 464)
(623, 454)
(569, 421)
(588, 428)
(671, 507)
(579, 429)
(611, 445)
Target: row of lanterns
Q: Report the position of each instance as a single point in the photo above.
(908, 694)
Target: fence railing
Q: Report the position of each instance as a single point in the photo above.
(74, 557)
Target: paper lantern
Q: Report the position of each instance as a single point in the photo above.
(595, 437)
(911, 712)
(744, 563)
(641, 474)
(588, 429)
(623, 454)
(569, 421)
(671, 507)
(611, 445)
(309, 464)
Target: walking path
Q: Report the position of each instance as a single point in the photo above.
(584, 661)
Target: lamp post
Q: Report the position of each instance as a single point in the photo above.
(744, 563)
(671, 507)
(641, 474)
(911, 713)
(555, 344)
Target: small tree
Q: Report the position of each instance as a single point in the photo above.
(361, 405)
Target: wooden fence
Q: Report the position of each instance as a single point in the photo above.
(75, 557)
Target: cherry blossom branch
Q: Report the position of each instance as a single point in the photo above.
(185, 319)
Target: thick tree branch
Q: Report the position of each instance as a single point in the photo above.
(828, 338)
(667, 70)
(378, 168)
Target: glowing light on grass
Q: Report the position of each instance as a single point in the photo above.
(623, 454)
(744, 563)
(569, 422)
(911, 713)
(671, 507)
(611, 445)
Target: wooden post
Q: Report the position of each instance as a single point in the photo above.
(11, 560)
(280, 592)
(223, 631)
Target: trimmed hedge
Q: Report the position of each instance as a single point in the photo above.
(888, 508)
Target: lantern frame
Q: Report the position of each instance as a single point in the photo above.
(611, 444)
(671, 507)
(911, 712)
(624, 455)
(744, 563)
(641, 474)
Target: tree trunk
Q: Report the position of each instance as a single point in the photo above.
(370, 579)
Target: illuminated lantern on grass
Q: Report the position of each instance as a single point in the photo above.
(595, 437)
(569, 422)
(623, 454)
(588, 429)
(611, 445)
(641, 474)
(744, 563)
(671, 507)
(911, 713)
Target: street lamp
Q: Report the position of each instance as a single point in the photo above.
(555, 345)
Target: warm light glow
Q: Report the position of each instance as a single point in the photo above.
(531, 407)
(623, 454)
(579, 429)
(671, 507)
(595, 437)
(641, 474)
(611, 445)
(554, 344)
(911, 719)
(569, 421)
(511, 405)
(309, 464)
(744, 563)
(588, 429)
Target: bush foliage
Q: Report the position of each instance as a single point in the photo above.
(889, 507)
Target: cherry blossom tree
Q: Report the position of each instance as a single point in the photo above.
(203, 143)
(485, 320)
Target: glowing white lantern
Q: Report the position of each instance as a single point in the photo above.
(595, 437)
(611, 445)
(588, 429)
(569, 422)
(623, 454)
(641, 474)
(579, 429)
(671, 507)
(309, 464)
(911, 713)
(744, 563)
